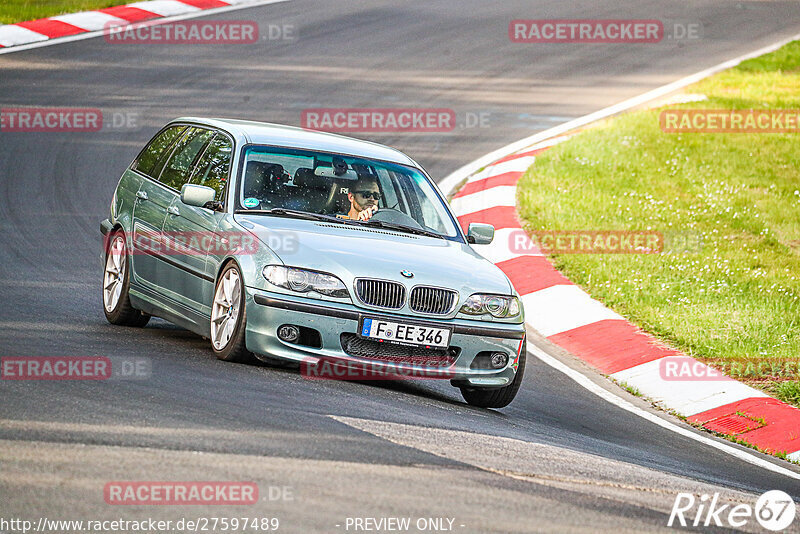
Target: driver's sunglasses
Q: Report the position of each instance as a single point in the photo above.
(369, 194)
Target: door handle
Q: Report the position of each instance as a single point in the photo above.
(141, 195)
(173, 210)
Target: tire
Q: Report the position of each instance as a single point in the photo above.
(116, 284)
(229, 318)
(497, 397)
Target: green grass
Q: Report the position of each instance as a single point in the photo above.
(787, 392)
(736, 297)
(12, 11)
(629, 388)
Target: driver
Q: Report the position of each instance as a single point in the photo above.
(364, 197)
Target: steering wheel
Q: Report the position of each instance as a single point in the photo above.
(391, 215)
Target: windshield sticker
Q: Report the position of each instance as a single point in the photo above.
(251, 202)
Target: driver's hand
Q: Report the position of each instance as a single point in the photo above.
(366, 214)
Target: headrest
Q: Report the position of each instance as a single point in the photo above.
(305, 177)
(263, 169)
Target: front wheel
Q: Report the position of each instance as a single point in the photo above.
(229, 317)
(116, 283)
(497, 397)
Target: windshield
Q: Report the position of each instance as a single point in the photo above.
(289, 181)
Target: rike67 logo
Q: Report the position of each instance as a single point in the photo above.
(774, 510)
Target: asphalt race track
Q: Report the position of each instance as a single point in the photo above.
(557, 459)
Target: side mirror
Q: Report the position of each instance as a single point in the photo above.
(197, 195)
(480, 233)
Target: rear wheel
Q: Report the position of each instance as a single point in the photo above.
(497, 397)
(229, 317)
(116, 283)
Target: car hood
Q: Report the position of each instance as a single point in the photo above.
(352, 252)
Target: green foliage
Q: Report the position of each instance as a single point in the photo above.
(728, 205)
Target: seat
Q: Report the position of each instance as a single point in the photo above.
(266, 182)
(313, 193)
(340, 202)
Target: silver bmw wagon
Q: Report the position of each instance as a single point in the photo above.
(291, 245)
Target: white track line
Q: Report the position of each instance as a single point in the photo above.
(612, 398)
(154, 22)
(454, 178)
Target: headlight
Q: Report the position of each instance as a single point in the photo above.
(303, 281)
(495, 305)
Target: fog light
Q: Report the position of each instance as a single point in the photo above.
(289, 333)
(499, 360)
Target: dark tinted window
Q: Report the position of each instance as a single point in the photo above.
(180, 164)
(322, 183)
(155, 149)
(212, 168)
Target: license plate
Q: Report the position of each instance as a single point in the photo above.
(408, 334)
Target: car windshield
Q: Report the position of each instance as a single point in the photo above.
(285, 182)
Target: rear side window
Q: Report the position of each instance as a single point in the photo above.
(180, 164)
(157, 147)
(213, 167)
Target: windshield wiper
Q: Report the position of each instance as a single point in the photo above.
(299, 214)
(402, 228)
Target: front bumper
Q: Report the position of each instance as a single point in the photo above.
(266, 312)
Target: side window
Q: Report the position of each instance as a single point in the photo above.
(424, 211)
(212, 169)
(179, 166)
(157, 147)
(394, 196)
